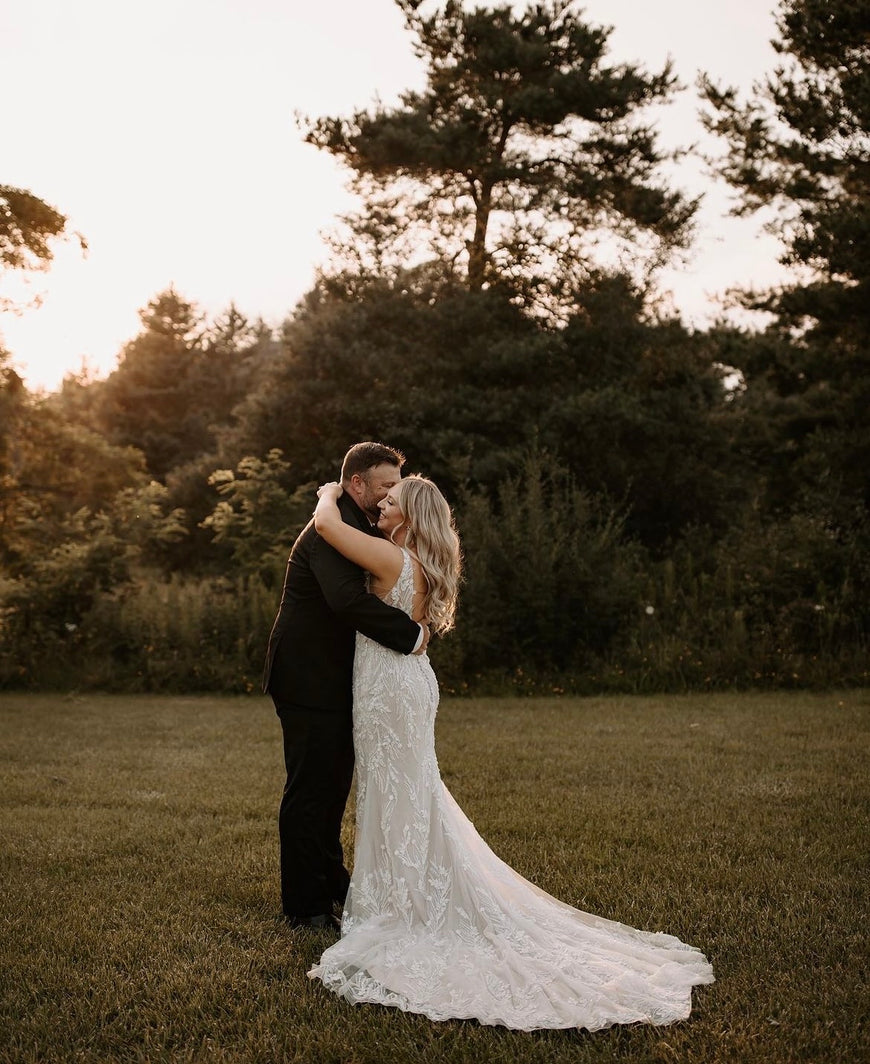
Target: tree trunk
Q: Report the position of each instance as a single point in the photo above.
(477, 257)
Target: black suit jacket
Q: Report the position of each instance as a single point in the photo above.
(309, 661)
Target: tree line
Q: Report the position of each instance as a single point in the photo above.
(643, 506)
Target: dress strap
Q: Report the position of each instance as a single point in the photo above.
(406, 583)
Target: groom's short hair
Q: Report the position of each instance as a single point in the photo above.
(365, 456)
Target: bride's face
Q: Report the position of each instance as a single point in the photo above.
(391, 516)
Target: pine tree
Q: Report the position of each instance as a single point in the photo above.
(801, 149)
(147, 401)
(524, 146)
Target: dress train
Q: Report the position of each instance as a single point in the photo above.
(435, 923)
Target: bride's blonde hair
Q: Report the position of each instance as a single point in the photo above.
(433, 540)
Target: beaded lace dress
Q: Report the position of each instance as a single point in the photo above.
(435, 923)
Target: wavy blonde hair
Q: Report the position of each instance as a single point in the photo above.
(433, 540)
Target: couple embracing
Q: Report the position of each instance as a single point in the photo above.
(433, 922)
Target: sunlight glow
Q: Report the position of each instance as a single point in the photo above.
(165, 132)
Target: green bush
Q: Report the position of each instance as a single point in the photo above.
(556, 598)
(550, 579)
(157, 635)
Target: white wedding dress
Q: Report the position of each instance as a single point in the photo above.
(436, 924)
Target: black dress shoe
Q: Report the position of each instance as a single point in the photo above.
(321, 922)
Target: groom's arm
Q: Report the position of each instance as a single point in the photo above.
(344, 587)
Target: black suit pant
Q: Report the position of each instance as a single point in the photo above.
(318, 755)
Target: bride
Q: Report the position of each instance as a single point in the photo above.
(434, 922)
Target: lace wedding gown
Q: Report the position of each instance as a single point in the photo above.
(436, 924)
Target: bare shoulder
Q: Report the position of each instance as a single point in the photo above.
(383, 559)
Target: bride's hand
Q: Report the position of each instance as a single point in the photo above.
(332, 490)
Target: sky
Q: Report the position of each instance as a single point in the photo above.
(165, 132)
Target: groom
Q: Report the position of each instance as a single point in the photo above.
(309, 670)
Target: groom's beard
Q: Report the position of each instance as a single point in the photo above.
(370, 508)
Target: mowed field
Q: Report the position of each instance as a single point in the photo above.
(138, 867)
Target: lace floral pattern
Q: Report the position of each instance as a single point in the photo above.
(436, 924)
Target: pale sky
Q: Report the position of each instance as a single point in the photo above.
(164, 131)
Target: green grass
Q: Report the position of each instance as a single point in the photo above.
(139, 875)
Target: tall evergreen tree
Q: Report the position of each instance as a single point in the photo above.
(455, 378)
(147, 400)
(178, 382)
(231, 355)
(523, 147)
(801, 147)
(466, 384)
(51, 465)
(638, 412)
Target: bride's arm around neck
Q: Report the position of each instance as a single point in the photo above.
(378, 556)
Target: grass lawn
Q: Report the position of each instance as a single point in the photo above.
(138, 865)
